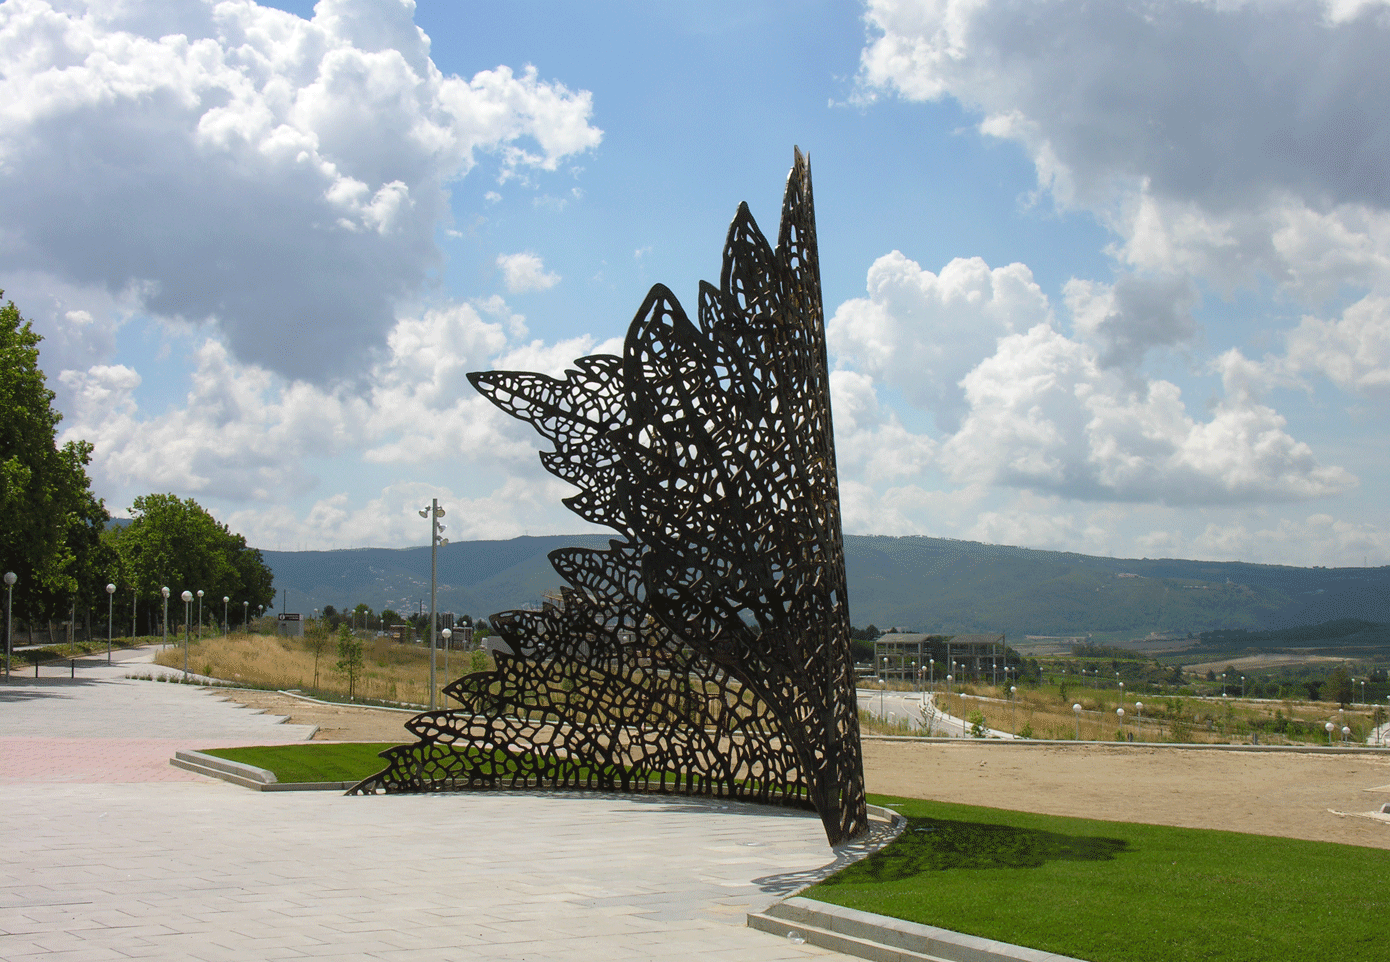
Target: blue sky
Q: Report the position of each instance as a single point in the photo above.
(1107, 279)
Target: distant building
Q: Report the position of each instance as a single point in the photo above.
(905, 655)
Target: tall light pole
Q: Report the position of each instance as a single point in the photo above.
(200, 614)
(1139, 707)
(110, 594)
(226, 628)
(165, 592)
(187, 612)
(1077, 708)
(433, 513)
(447, 634)
(10, 579)
(932, 663)
(245, 614)
(1013, 697)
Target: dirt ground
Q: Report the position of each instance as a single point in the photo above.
(1325, 798)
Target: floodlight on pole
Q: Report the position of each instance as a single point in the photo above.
(10, 579)
(110, 594)
(433, 513)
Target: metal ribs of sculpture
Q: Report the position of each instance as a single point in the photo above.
(707, 652)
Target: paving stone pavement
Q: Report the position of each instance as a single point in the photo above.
(107, 861)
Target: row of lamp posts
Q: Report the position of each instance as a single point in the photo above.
(11, 578)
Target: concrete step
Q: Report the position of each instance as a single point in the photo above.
(882, 939)
(247, 776)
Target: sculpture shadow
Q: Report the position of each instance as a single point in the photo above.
(938, 845)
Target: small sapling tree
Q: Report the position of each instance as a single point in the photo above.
(316, 640)
(350, 657)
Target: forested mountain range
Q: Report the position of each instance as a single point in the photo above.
(919, 583)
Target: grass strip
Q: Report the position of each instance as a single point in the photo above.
(347, 762)
(1122, 892)
(352, 762)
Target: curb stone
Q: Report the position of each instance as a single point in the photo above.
(247, 776)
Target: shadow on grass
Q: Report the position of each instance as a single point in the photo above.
(935, 845)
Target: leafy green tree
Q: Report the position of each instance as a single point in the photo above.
(49, 520)
(351, 657)
(1338, 686)
(179, 544)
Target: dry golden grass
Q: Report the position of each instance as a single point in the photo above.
(1044, 713)
(391, 672)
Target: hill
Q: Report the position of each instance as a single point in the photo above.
(926, 584)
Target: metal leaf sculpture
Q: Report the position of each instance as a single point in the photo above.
(707, 651)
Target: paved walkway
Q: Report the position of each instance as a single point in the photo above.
(126, 857)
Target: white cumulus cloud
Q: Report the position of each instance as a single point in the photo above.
(283, 178)
(525, 272)
(1225, 139)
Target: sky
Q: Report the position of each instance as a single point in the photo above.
(1107, 278)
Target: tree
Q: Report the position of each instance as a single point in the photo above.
(50, 522)
(350, 656)
(316, 640)
(179, 544)
(1338, 686)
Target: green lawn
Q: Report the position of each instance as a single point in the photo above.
(322, 762)
(349, 762)
(1120, 892)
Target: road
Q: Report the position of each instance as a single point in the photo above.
(922, 714)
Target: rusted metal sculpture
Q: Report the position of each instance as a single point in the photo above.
(707, 650)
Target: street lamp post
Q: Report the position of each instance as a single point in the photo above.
(433, 513)
(1077, 709)
(245, 614)
(447, 634)
(914, 675)
(1223, 684)
(110, 594)
(187, 627)
(1139, 722)
(200, 614)
(1242, 686)
(226, 627)
(1013, 697)
(932, 663)
(10, 579)
(1120, 713)
(165, 592)
(1329, 726)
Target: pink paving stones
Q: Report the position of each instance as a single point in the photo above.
(82, 761)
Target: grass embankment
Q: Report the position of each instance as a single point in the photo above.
(392, 672)
(1121, 892)
(78, 649)
(1045, 711)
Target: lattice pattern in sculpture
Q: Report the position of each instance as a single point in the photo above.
(707, 650)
